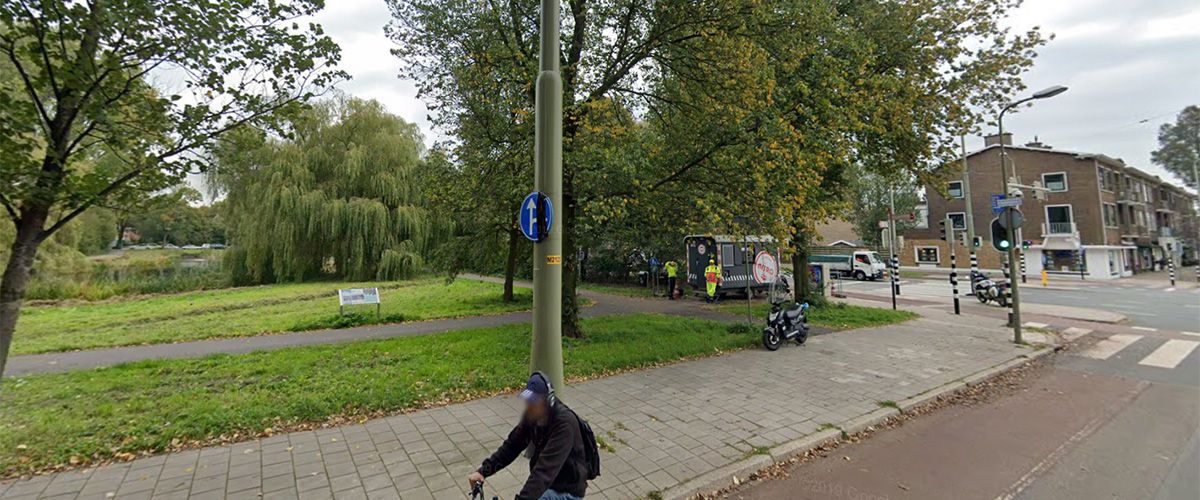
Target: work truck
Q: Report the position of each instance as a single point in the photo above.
(860, 264)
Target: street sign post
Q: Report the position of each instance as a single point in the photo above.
(766, 268)
(1017, 220)
(1000, 202)
(536, 216)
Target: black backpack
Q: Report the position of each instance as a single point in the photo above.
(590, 450)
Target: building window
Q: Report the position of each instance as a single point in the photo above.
(1110, 215)
(1056, 182)
(959, 219)
(955, 189)
(927, 255)
(1059, 220)
(728, 255)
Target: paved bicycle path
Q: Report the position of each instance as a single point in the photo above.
(666, 426)
(604, 304)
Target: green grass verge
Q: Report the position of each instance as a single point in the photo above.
(836, 316)
(45, 420)
(625, 290)
(240, 312)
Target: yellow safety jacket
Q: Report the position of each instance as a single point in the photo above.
(672, 268)
(712, 274)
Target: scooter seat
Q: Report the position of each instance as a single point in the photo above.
(793, 313)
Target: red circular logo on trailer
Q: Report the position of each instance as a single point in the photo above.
(766, 269)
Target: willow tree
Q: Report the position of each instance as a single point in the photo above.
(77, 82)
(342, 197)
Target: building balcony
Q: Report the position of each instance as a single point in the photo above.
(1166, 232)
(1060, 236)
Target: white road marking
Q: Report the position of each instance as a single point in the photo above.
(1031, 324)
(1194, 334)
(1170, 354)
(1145, 328)
(1075, 332)
(1172, 289)
(1105, 348)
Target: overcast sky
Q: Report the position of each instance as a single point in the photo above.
(1130, 65)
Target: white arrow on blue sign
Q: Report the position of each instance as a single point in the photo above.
(535, 207)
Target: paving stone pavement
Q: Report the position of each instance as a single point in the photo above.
(667, 425)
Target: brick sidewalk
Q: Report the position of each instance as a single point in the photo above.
(667, 425)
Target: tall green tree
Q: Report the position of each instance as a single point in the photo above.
(343, 197)
(74, 87)
(1179, 146)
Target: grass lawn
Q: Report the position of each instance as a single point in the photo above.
(47, 420)
(240, 312)
(626, 290)
(837, 316)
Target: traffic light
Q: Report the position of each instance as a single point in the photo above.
(1000, 236)
(977, 242)
(942, 229)
(1026, 244)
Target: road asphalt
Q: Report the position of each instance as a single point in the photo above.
(1115, 420)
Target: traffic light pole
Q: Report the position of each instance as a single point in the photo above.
(547, 254)
(1014, 302)
(970, 211)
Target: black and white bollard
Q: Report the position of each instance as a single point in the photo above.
(896, 273)
(974, 269)
(1171, 269)
(1008, 291)
(1022, 266)
(954, 281)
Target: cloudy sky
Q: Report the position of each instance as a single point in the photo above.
(1130, 65)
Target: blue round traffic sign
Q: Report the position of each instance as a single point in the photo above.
(536, 215)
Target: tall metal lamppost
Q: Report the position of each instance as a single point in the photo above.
(1015, 304)
(546, 355)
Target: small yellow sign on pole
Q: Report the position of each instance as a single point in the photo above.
(554, 260)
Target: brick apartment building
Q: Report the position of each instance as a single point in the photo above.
(1101, 218)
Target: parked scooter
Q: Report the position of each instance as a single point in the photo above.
(987, 289)
(785, 324)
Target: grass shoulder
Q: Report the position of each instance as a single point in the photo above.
(833, 315)
(154, 406)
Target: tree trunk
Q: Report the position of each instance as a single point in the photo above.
(800, 264)
(16, 275)
(570, 272)
(510, 265)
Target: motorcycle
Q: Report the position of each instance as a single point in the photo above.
(987, 289)
(785, 324)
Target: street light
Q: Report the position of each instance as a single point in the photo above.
(1015, 316)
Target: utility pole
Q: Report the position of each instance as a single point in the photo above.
(970, 218)
(547, 178)
(1014, 317)
(1015, 301)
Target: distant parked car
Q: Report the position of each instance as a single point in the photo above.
(214, 246)
(191, 247)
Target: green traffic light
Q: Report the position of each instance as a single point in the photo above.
(1004, 244)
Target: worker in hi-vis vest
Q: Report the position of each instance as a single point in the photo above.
(672, 268)
(712, 276)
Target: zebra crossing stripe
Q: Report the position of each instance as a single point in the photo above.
(1145, 328)
(1031, 324)
(1105, 348)
(1170, 354)
(1075, 332)
(1194, 334)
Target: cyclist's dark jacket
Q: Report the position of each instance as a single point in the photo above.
(558, 461)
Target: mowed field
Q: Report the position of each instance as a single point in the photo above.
(247, 311)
